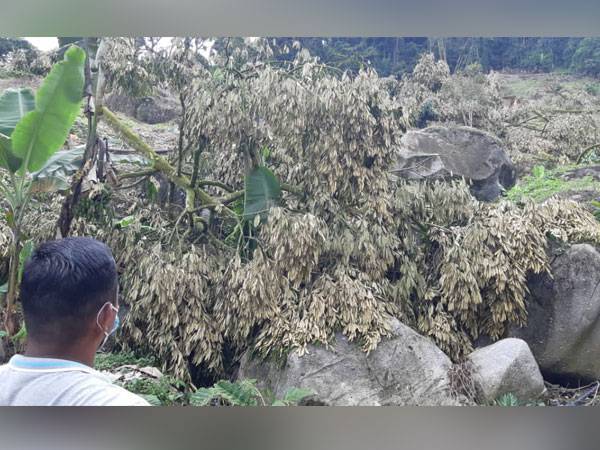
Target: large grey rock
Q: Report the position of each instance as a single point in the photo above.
(505, 367)
(445, 152)
(582, 172)
(563, 328)
(407, 369)
(587, 192)
(155, 109)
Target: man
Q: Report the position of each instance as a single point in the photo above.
(69, 295)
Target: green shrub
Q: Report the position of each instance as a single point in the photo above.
(108, 361)
(586, 59)
(543, 184)
(511, 400)
(244, 393)
(506, 400)
(165, 391)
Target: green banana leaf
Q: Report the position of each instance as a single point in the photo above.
(14, 104)
(7, 159)
(262, 190)
(41, 132)
(56, 173)
(58, 170)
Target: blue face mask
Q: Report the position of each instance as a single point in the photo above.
(115, 326)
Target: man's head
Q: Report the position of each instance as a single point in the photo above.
(65, 289)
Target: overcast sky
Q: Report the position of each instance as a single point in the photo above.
(44, 43)
(49, 43)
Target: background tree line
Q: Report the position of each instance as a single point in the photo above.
(398, 55)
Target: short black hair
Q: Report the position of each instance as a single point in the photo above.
(64, 285)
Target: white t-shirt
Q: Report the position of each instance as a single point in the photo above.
(27, 381)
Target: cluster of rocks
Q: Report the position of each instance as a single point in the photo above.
(561, 341)
(406, 369)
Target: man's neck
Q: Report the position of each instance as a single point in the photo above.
(77, 354)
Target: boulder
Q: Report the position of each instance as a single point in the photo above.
(587, 193)
(446, 152)
(406, 369)
(506, 367)
(159, 108)
(122, 103)
(563, 329)
(581, 172)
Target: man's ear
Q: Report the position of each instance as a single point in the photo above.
(106, 317)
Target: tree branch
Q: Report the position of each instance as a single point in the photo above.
(161, 164)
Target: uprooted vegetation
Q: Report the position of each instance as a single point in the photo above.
(283, 223)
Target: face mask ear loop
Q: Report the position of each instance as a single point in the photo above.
(98, 317)
(106, 334)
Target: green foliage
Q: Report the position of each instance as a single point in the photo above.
(8, 160)
(525, 87)
(539, 172)
(41, 132)
(21, 334)
(8, 45)
(56, 173)
(165, 391)
(243, 393)
(507, 400)
(35, 135)
(399, 55)
(154, 400)
(262, 190)
(511, 400)
(293, 397)
(592, 88)
(427, 114)
(586, 59)
(14, 104)
(543, 184)
(24, 255)
(108, 361)
(125, 221)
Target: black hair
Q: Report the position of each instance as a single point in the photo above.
(64, 285)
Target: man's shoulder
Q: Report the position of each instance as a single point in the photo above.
(74, 387)
(39, 381)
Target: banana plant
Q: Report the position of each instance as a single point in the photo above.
(32, 130)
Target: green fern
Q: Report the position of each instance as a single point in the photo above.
(243, 393)
(507, 400)
(293, 397)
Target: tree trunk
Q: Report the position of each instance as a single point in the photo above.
(13, 281)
